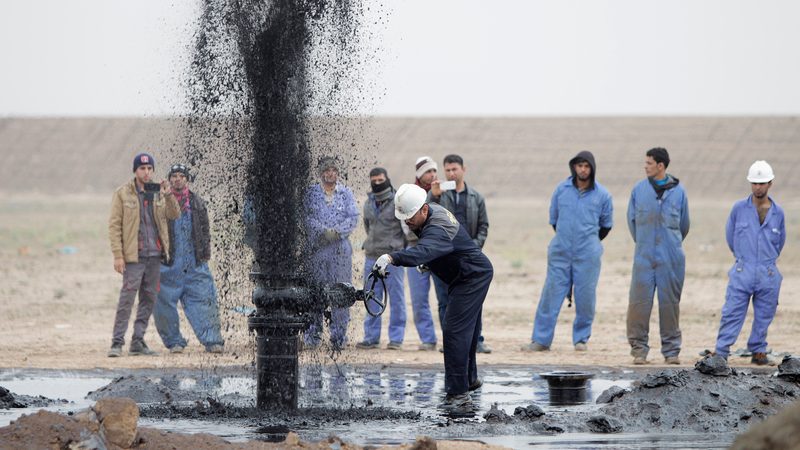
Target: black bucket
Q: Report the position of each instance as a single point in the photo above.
(567, 387)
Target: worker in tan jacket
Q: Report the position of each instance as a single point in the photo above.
(137, 230)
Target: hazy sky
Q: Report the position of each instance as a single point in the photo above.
(435, 57)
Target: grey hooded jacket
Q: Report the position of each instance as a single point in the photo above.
(384, 233)
(477, 220)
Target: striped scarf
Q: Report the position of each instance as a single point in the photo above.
(183, 198)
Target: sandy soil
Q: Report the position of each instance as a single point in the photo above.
(59, 291)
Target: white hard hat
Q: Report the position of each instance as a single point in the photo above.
(760, 172)
(408, 200)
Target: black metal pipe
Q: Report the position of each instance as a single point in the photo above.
(283, 310)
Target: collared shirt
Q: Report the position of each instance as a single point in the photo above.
(461, 207)
(148, 233)
(749, 239)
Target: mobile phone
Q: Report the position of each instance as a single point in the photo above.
(448, 185)
(152, 187)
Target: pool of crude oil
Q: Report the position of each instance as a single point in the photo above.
(360, 404)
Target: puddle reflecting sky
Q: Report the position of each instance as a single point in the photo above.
(329, 386)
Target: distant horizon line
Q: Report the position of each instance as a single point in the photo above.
(416, 116)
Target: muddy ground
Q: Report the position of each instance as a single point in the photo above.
(681, 400)
(397, 403)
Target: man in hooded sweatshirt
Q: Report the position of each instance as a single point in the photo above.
(658, 218)
(581, 213)
(385, 235)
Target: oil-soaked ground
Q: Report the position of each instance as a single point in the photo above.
(674, 408)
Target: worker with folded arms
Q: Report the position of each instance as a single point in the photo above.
(755, 232)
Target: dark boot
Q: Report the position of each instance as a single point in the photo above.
(761, 359)
(458, 405)
(140, 348)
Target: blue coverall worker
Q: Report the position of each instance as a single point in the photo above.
(186, 277)
(332, 215)
(446, 248)
(658, 219)
(756, 233)
(384, 235)
(581, 213)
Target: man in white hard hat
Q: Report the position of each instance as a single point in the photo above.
(755, 233)
(469, 208)
(446, 248)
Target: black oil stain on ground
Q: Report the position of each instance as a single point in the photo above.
(9, 400)
(660, 401)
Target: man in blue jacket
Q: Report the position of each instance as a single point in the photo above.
(755, 233)
(581, 213)
(658, 219)
(446, 248)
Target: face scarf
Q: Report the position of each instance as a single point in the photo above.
(182, 197)
(382, 191)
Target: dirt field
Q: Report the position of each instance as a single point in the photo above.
(58, 292)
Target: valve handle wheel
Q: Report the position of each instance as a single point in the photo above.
(369, 294)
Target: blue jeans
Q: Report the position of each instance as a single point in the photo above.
(396, 306)
(420, 286)
(198, 296)
(192, 285)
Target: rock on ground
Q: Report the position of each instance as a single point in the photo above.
(118, 418)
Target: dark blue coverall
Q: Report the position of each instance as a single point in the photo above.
(446, 248)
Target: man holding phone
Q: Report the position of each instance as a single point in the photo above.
(139, 238)
(469, 208)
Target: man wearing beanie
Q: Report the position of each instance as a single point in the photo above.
(185, 276)
(419, 278)
(332, 214)
(426, 172)
(385, 235)
(137, 231)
